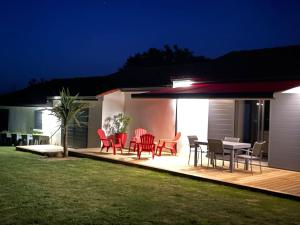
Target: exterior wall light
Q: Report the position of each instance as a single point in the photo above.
(182, 83)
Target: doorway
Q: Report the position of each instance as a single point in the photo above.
(256, 123)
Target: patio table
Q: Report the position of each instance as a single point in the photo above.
(228, 145)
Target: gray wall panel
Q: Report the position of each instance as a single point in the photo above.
(221, 118)
(285, 132)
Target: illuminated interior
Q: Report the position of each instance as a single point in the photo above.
(192, 119)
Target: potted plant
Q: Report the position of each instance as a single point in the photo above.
(117, 125)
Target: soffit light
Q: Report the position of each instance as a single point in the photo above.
(182, 83)
(293, 90)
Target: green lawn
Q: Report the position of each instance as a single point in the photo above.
(34, 190)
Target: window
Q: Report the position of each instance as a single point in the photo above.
(38, 119)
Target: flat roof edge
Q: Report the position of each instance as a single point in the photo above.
(207, 96)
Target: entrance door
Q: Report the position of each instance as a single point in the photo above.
(192, 119)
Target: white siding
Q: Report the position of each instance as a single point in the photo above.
(284, 150)
(94, 123)
(21, 120)
(112, 104)
(157, 116)
(51, 127)
(221, 118)
(192, 119)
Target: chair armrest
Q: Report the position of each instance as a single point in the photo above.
(245, 150)
(165, 139)
(170, 141)
(105, 139)
(161, 141)
(133, 139)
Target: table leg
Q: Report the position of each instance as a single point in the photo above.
(195, 157)
(231, 161)
(200, 153)
(27, 140)
(247, 161)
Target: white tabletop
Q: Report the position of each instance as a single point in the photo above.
(229, 144)
(235, 145)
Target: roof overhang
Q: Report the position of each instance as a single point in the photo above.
(225, 90)
(81, 98)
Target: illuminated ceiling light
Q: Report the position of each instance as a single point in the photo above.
(293, 90)
(182, 83)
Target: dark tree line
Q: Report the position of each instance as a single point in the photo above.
(163, 57)
(35, 81)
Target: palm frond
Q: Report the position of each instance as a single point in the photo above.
(69, 108)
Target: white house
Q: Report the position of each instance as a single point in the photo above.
(251, 111)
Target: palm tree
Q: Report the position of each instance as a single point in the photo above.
(67, 111)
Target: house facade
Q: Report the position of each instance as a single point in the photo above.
(28, 119)
(241, 94)
(273, 117)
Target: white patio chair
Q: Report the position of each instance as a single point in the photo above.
(254, 153)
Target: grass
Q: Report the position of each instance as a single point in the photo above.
(34, 190)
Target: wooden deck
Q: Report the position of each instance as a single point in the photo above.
(45, 150)
(273, 181)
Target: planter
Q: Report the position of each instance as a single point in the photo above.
(122, 137)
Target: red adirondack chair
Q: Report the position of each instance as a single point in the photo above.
(108, 142)
(136, 139)
(170, 144)
(146, 145)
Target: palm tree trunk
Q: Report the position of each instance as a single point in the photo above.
(65, 140)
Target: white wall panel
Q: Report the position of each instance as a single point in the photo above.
(157, 116)
(94, 123)
(51, 127)
(112, 104)
(192, 119)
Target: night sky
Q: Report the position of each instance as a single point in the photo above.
(53, 39)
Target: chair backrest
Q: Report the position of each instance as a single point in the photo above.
(192, 139)
(138, 133)
(232, 139)
(215, 145)
(147, 142)
(257, 148)
(102, 137)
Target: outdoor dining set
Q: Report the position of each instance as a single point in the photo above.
(15, 139)
(231, 146)
(216, 149)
